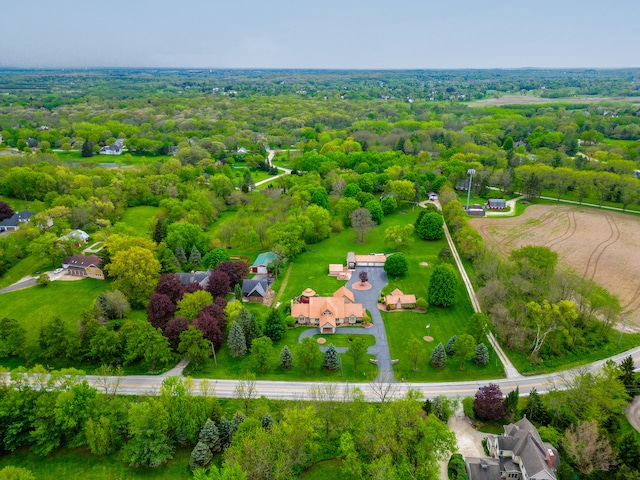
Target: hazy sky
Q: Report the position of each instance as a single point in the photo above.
(322, 34)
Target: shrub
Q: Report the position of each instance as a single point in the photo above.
(366, 319)
(290, 320)
(467, 407)
(422, 303)
(396, 264)
(43, 280)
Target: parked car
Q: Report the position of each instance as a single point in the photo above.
(57, 270)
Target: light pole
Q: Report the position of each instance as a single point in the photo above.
(471, 172)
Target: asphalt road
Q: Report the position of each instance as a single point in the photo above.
(150, 385)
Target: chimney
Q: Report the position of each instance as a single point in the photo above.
(193, 276)
(550, 457)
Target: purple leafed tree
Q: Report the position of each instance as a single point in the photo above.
(219, 284)
(173, 330)
(209, 328)
(221, 302)
(363, 277)
(489, 403)
(5, 211)
(169, 285)
(236, 271)
(193, 287)
(160, 310)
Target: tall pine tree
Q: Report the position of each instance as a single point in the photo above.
(237, 341)
(249, 327)
(195, 258)
(286, 358)
(179, 253)
(274, 328)
(209, 436)
(438, 357)
(450, 351)
(331, 361)
(482, 355)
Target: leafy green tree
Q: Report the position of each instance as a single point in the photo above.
(12, 337)
(442, 286)
(357, 351)
(261, 349)
(187, 235)
(481, 355)
(237, 341)
(320, 198)
(149, 444)
(352, 464)
(308, 353)
(194, 346)
(438, 357)
(375, 209)
(287, 238)
(345, 207)
(478, 326)
(331, 361)
(274, 327)
(388, 205)
(191, 304)
(396, 264)
(399, 236)
(320, 223)
(136, 272)
(215, 257)
(535, 408)
(465, 348)
(286, 358)
(55, 339)
(106, 346)
(431, 227)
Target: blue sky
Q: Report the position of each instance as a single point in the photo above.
(345, 34)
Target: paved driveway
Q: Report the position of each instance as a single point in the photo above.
(369, 299)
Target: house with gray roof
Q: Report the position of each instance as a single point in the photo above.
(255, 291)
(201, 278)
(518, 453)
(13, 222)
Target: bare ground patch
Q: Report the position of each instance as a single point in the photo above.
(601, 246)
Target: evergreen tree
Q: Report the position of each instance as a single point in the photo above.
(286, 358)
(225, 433)
(629, 451)
(87, 149)
(195, 258)
(237, 419)
(266, 421)
(331, 361)
(209, 436)
(511, 404)
(627, 376)
(438, 357)
(249, 327)
(237, 292)
(201, 456)
(535, 409)
(274, 328)
(237, 341)
(482, 355)
(180, 255)
(450, 351)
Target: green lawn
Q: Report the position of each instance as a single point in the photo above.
(257, 175)
(138, 218)
(232, 368)
(27, 266)
(325, 470)
(79, 464)
(35, 306)
(345, 340)
(18, 205)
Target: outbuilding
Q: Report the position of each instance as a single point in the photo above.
(496, 204)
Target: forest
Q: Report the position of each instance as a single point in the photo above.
(179, 171)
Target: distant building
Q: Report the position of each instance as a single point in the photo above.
(261, 265)
(111, 150)
(13, 222)
(496, 204)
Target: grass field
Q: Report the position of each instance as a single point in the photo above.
(80, 464)
(232, 368)
(27, 266)
(138, 218)
(35, 306)
(18, 205)
(344, 340)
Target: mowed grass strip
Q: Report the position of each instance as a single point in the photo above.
(344, 340)
(325, 470)
(138, 219)
(35, 306)
(237, 368)
(27, 266)
(80, 464)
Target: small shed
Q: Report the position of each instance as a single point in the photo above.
(335, 269)
(433, 196)
(496, 204)
(476, 211)
(308, 293)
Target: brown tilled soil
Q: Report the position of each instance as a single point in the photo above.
(602, 246)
